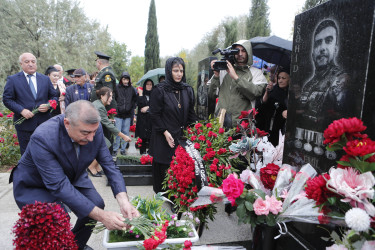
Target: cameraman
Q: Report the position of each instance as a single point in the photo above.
(240, 86)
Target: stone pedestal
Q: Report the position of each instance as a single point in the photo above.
(332, 77)
(135, 174)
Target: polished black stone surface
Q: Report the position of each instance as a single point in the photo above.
(332, 77)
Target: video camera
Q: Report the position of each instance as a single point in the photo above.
(228, 54)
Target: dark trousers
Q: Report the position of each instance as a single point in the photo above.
(81, 231)
(159, 171)
(23, 139)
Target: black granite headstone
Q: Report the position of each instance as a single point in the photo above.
(205, 105)
(332, 77)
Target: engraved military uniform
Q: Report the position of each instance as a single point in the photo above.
(323, 100)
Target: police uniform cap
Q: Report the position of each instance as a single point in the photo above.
(70, 71)
(101, 55)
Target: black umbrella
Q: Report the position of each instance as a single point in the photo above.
(272, 49)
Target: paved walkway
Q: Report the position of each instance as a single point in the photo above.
(224, 229)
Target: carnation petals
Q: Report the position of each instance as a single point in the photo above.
(350, 126)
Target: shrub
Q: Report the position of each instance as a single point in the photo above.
(9, 145)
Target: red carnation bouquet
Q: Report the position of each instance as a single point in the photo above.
(146, 160)
(138, 143)
(132, 128)
(212, 142)
(51, 104)
(111, 113)
(43, 226)
(345, 193)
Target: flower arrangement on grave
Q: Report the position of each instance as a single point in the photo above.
(146, 159)
(211, 143)
(43, 226)
(154, 225)
(267, 192)
(346, 191)
(51, 104)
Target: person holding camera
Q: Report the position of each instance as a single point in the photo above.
(239, 85)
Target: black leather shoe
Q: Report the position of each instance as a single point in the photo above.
(94, 175)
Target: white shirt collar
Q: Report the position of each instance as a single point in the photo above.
(29, 74)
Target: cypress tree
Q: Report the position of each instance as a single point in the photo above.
(257, 22)
(311, 4)
(231, 32)
(152, 50)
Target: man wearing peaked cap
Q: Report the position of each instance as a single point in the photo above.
(81, 90)
(105, 78)
(69, 75)
(102, 55)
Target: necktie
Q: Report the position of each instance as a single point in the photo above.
(31, 84)
(77, 148)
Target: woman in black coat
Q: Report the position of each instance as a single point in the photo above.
(274, 106)
(143, 128)
(171, 111)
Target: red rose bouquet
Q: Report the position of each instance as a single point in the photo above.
(43, 226)
(51, 104)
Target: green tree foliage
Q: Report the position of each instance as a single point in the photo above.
(120, 57)
(55, 31)
(231, 32)
(308, 5)
(136, 68)
(213, 40)
(152, 50)
(258, 23)
(311, 4)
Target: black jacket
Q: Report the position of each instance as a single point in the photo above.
(143, 128)
(126, 98)
(166, 115)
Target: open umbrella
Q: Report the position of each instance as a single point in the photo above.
(272, 49)
(153, 74)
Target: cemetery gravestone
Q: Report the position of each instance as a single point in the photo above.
(333, 74)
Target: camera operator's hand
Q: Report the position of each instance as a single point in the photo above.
(269, 86)
(231, 71)
(216, 73)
